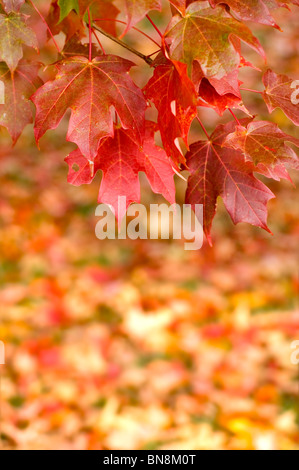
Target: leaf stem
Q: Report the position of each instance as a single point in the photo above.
(253, 91)
(136, 29)
(48, 28)
(98, 40)
(153, 24)
(234, 116)
(90, 36)
(203, 128)
(153, 53)
(147, 59)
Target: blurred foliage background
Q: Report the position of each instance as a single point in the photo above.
(140, 344)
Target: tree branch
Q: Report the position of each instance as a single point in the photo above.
(147, 59)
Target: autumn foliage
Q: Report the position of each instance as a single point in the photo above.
(196, 66)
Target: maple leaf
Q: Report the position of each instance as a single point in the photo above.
(104, 8)
(66, 6)
(121, 159)
(74, 47)
(229, 84)
(218, 94)
(211, 98)
(175, 98)
(85, 4)
(282, 92)
(137, 9)
(71, 25)
(249, 10)
(12, 5)
(205, 34)
(13, 34)
(90, 90)
(219, 171)
(282, 3)
(99, 9)
(180, 5)
(264, 144)
(19, 85)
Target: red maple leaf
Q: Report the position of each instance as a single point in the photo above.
(14, 33)
(209, 97)
(90, 90)
(121, 159)
(137, 9)
(282, 92)
(16, 112)
(209, 36)
(175, 98)
(250, 10)
(219, 171)
(180, 5)
(264, 144)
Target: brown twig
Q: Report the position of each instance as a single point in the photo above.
(147, 59)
